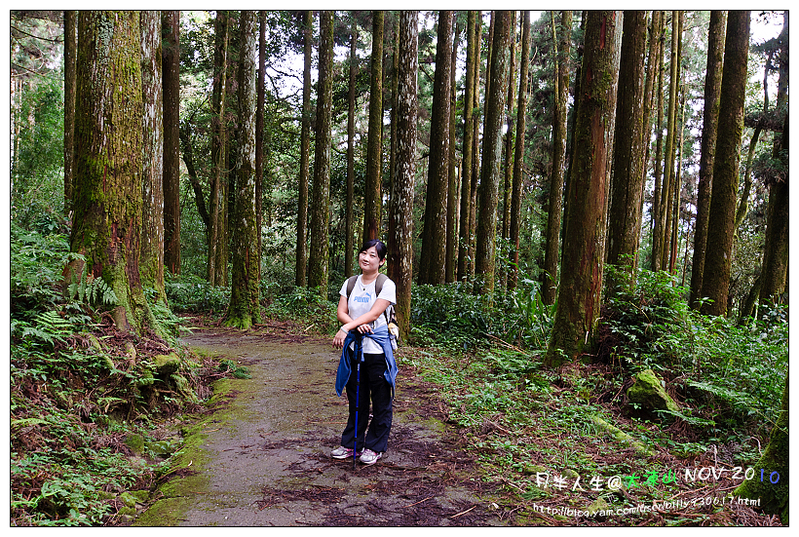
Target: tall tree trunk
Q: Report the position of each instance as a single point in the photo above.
(260, 98)
(475, 179)
(349, 240)
(660, 248)
(718, 259)
(715, 58)
(171, 74)
(657, 195)
(320, 202)
(472, 66)
(70, 82)
(625, 205)
(492, 153)
(452, 173)
(373, 199)
(549, 277)
(580, 289)
(521, 125)
(301, 272)
(217, 236)
(401, 257)
(655, 33)
(509, 134)
(244, 309)
(434, 236)
(151, 265)
(107, 195)
(775, 258)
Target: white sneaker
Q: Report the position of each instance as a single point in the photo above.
(342, 452)
(370, 457)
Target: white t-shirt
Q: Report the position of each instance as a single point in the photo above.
(361, 301)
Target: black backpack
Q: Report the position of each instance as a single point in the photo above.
(391, 318)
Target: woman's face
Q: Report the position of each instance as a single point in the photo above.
(369, 260)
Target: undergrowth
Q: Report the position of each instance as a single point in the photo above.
(558, 437)
(89, 406)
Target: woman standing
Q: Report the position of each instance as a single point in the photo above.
(367, 365)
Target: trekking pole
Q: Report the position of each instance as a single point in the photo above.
(359, 358)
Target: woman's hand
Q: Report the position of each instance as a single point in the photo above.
(338, 339)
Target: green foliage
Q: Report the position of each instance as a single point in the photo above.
(447, 315)
(299, 304)
(192, 294)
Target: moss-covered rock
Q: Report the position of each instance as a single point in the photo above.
(648, 392)
(135, 442)
(166, 364)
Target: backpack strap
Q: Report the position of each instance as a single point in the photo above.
(351, 285)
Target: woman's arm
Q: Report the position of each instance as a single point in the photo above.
(362, 323)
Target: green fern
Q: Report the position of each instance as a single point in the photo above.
(49, 327)
(92, 291)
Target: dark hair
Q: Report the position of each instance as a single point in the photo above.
(380, 248)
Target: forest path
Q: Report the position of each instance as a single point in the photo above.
(263, 459)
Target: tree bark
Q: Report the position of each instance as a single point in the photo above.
(217, 234)
(320, 202)
(171, 74)
(349, 240)
(492, 153)
(70, 82)
(434, 235)
(401, 258)
(715, 61)
(107, 196)
(549, 277)
(624, 220)
(472, 66)
(521, 125)
(452, 172)
(244, 309)
(775, 259)
(301, 273)
(580, 289)
(373, 199)
(152, 231)
(723, 200)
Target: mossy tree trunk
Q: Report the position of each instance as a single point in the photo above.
(717, 32)
(244, 309)
(472, 66)
(152, 230)
(349, 226)
(301, 270)
(217, 265)
(432, 265)
(401, 256)
(580, 289)
(107, 195)
(497, 81)
(562, 37)
(70, 82)
(718, 258)
(171, 77)
(770, 484)
(521, 125)
(373, 199)
(320, 202)
(624, 219)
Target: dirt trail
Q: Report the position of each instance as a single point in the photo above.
(265, 456)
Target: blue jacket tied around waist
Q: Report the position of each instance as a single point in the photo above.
(381, 336)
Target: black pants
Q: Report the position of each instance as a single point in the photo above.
(375, 391)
